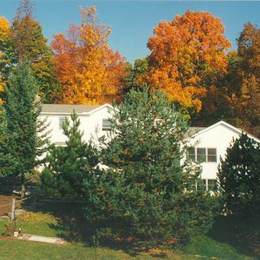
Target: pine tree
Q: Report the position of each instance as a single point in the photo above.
(156, 196)
(239, 177)
(26, 137)
(71, 165)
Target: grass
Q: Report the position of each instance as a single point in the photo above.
(202, 247)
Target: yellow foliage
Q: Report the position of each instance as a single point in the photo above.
(4, 28)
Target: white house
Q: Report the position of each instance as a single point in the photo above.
(207, 145)
(94, 120)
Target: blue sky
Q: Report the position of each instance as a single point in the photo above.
(132, 22)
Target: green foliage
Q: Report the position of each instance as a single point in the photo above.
(69, 166)
(153, 194)
(239, 177)
(136, 72)
(21, 143)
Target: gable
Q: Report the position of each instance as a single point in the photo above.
(222, 129)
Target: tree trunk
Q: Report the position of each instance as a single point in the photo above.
(22, 186)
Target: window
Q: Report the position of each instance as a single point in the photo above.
(61, 121)
(201, 154)
(212, 155)
(106, 125)
(212, 185)
(191, 154)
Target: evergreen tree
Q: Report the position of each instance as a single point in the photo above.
(239, 177)
(25, 136)
(154, 195)
(71, 165)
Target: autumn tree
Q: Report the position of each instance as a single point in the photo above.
(218, 103)
(187, 57)
(30, 44)
(24, 40)
(248, 98)
(89, 71)
(237, 96)
(6, 51)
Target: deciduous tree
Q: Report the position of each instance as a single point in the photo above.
(6, 51)
(24, 40)
(187, 57)
(30, 44)
(89, 71)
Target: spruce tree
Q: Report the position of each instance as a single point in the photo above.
(25, 136)
(239, 177)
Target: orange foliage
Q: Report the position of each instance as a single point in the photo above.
(87, 68)
(187, 54)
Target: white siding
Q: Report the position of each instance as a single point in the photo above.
(219, 137)
(90, 125)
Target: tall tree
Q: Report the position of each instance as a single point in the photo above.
(157, 197)
(24, 40)
(248, 99)
(6, 52)
(237, 97)
(187, 57)
(30, 44)
(239, 177)
(219, 102)
(88, 70)
(26, 138)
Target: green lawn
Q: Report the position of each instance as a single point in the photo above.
(201, 247)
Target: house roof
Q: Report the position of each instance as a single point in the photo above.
(229, 126)
(68, 109)
(194, 130)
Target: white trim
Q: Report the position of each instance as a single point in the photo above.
(99, 108)
(235, 129)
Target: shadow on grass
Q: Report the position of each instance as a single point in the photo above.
(72, 226)
(241, 233)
